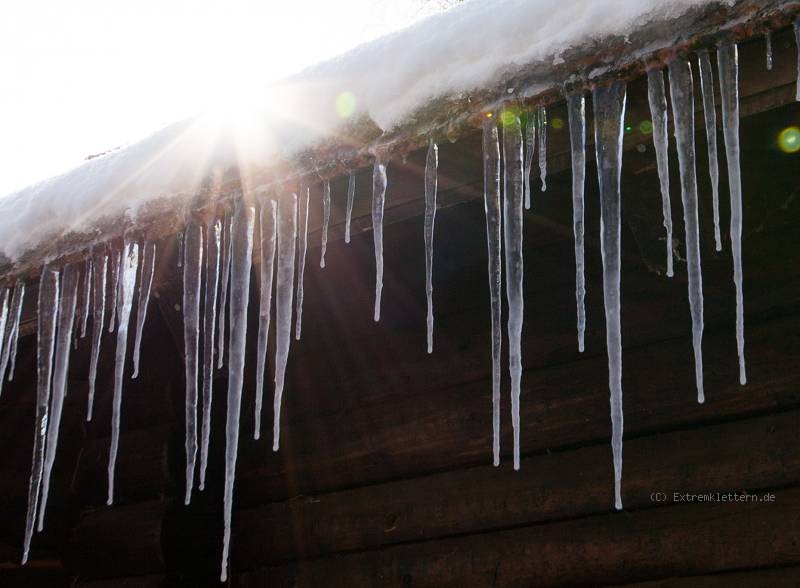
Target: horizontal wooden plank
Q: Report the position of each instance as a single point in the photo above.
(694, 538)
(744, 455)
(149, 581)
(779, 577)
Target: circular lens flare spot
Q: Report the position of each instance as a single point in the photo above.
(646, 127)
(557, 123)
(345, 104)
(789, 140)
(507, 117)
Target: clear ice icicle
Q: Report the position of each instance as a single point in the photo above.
(576, 111)
(658, 112)
(192, 270)
(609, 114)
(145, 285)
(11, 330)
(302, 248)
(326, 218)
(768, 42)
(241, 238)
(213, 235)
(728, 63)
(70, 278)
(87, 292)
(710, 112)
(100, 271)
(431, 166)
(16, 305)
(797, 43)
(378, 199)
(46, 341)
(491, 200)
(115, 269)
(351, 196)
(5, 334)
(530, 148)
(179, 239)
(513, 184)
(681, 92)
(223, 291)
(287, 235)
(129, 261)
(268, 223)
(542, 118)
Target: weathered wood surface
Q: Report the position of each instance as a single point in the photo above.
(777, 577)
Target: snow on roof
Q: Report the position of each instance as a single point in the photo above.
(466, 48)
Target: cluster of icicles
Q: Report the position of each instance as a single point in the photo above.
(221, 250)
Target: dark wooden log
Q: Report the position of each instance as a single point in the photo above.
(747, 455)
(755, 578)
(150, 581)
(118, 541)
(693, 538)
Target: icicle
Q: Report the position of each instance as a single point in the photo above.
(127, 282)
(681, 91)
(241, 239)
(576, 106)
(658, 112)
(378, 198)
(5, 337)
(609, 114)
(144, 287)
(213, 233)
(302, 247)
(70, 278)
(797, 43)
(431, 166)
(115, 269)
(491, 199)
(11, 330)
(351, 196)
(179, 238)
(512, 241)
(76, 323)
(47, 317)
(87, 290)
(326, 217)
(768, 41)
(710, 111)
(287, 234)
(223, 293)
(268, 225)
(728, 63)
(530, 148)
(99, 268)
(192, 269)
(543, 146)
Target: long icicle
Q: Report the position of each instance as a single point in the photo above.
(768, 41)
(326, 218)
(658, 112)
(576, 107)
(351, 196)
(213, 236)
(5, 331)
(542, 119)
(491, 201)
(129, 261)
(100, 271)
(223, 291)
(609, 114)
(12, 329)
(797, 44)
(681, 92)
(144, 287)
(728, 63)
(70, 279)
(378, 199)
(115, 268)
(431, 167)
(87, 292)
(241, 259)
(268, 223)
(530, 149)
(47, 318)
(302, 248)
(192, 270)
(710, 112)
(513, 184)
(287, 235)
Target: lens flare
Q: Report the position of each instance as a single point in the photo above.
(507, 117)
(646, 127)
(557, 123)
(345, 104)
(789, 140)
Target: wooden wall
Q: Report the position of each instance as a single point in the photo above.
(384, 477)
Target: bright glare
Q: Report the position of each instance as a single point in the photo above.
(789, 140)
(82, 77)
